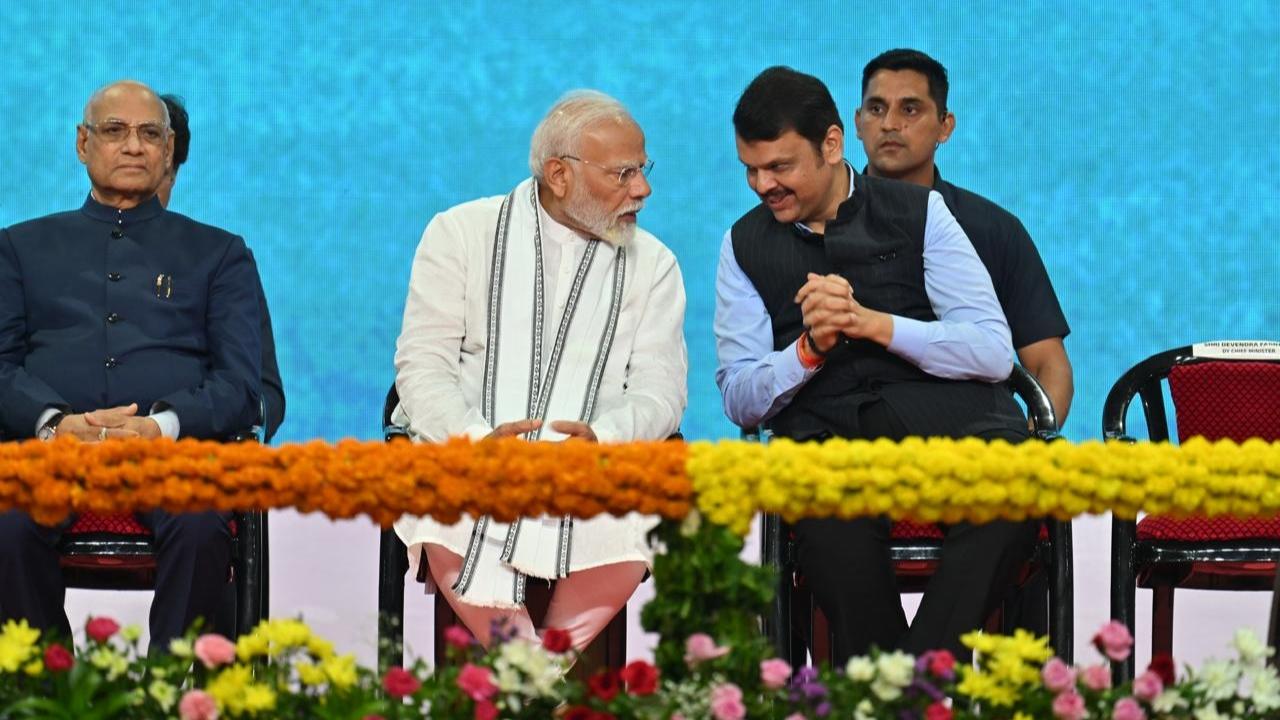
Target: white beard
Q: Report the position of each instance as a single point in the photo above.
(583, 210)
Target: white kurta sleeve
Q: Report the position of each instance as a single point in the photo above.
(656, 391)
(430, 345)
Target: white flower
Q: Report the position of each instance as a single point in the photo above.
(897, 668)
(1208, 712)
(1168, 701)
(1252, 650)
(1264, 687)
(885, 690)
(165, 694)
(860, 669)
(523, 667)
(864, 711)
(1219, 679)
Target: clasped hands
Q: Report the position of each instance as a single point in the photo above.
(572, 428)
(830, 311)
(109, 423)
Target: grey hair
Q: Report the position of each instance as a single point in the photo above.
(561, 129)
(101, 92)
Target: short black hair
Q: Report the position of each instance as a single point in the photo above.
(179, 123)
(781, 99)
(907, 59)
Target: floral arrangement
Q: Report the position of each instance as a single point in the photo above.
(281, 670)
(929, 480)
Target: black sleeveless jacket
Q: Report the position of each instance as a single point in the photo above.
(876, 241)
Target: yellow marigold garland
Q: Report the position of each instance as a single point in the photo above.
(932, 480)
(952, 480)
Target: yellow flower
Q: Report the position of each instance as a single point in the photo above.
(340, 670)
(258, 698)
(34, 668)
(310, 674)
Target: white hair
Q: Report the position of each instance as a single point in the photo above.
(561, 129)
(101, 92)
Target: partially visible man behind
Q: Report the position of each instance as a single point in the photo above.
(902, 121)
(122, 320)
(545, 314)
(272, 386)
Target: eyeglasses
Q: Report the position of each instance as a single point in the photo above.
(624, 175)
(114, 131)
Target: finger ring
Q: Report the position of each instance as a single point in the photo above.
(102, 434)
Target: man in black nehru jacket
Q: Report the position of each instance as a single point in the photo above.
(122, 320)
(855, 307)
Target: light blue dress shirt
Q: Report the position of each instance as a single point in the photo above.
(969, 341)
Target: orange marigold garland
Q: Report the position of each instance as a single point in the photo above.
(503, 478)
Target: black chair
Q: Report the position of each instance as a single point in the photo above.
(1217, 392)
(797, 627)
(608, 650)
(115, 552)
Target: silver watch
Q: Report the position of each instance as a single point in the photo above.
(50, 429)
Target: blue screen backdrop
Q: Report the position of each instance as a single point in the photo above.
(1136, 141)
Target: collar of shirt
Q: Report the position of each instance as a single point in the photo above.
(805, 229)
(105, 213)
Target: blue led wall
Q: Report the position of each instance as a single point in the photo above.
(1136, 141)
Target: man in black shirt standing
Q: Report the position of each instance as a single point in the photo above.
(901, 122)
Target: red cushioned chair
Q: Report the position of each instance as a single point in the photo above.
(608, 650)
(1218, 390)
(115, 552)
(916, 550)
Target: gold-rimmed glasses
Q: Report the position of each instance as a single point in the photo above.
(624, 175)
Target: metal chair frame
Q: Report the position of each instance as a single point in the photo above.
(792, 617)
(127, 562)
(1163, 565)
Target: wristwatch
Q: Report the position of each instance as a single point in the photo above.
(50, 428)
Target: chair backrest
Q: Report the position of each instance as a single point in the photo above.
(1221, 389)
(1039, 407)
(390, 430)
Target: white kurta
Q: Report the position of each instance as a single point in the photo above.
(440, 374)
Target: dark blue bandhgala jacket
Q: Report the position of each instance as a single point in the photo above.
(102, 307)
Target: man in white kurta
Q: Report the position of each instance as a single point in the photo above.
(545, 313)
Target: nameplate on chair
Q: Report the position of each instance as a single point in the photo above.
(1238, 350)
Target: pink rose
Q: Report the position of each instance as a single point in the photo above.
(792, 716)
(774, 673)
(1148, 685)
(100, 629)
(198, 705)
(214, 650)
(476, 682)
(1096, 677)
(1068, 706)
(726, 702)
(937, 711)
(1058, 676)
(700, 648)
(457, 636)
(942, 664)
(1114, 640)
(1128, 709)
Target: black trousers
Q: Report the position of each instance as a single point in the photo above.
(193, 557)
(847, 565)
